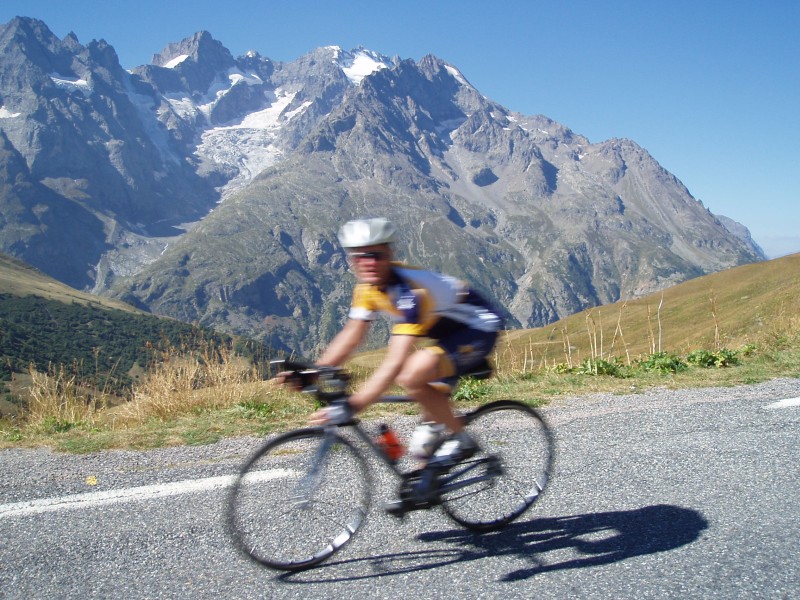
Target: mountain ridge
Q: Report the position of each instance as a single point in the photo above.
(536, 216)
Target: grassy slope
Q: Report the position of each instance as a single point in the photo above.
(755, 303)
(20, 279)
(748, 302)
(45, 323)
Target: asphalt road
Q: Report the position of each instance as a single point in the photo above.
(666, 494)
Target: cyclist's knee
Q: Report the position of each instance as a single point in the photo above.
(420, 369)
(411, 380)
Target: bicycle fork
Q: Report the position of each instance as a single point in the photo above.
(305, 488)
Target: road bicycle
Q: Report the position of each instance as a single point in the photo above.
(304, 494)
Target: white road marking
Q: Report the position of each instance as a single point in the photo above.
(789, 402)
(146, 492)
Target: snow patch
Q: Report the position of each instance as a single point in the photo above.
(249, 146)
(176, 61)
(359, 65)
(456, 75)
(185, 107)
(146, 107)
(235, 76)
(71, 84)
(7, 114)
(299, 110)
(449, 125)
(269, 117)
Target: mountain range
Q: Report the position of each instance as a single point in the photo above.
(209, 188)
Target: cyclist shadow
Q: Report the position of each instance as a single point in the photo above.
(585, 540)
(548, 544)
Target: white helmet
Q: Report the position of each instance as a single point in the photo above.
(366, 232)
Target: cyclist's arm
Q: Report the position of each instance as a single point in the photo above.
(400, 346)
(344, 343)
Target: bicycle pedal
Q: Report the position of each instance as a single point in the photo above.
(400, 508)
(496, 468)
(396, 508)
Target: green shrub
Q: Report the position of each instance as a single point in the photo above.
(662, 362)
(719, 358)
(600, 366)
(748, 350)
(255, 409)
(471, 390)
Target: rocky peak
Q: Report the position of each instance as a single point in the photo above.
(20, 31)
(26, 43)
(200, 48)
(192, 66)
(537, 217)
(71, 42)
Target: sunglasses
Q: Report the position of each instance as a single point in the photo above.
(377, 255)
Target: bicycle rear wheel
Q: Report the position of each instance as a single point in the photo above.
(511, 470)
(299, 499)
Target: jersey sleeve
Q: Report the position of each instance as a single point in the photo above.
(361, 308)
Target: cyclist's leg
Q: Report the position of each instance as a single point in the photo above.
(422, 369)
(430, 374)
(428, 377)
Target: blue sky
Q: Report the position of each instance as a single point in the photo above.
(711, 89)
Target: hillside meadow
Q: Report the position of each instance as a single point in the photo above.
(20, 279)
(735, 327)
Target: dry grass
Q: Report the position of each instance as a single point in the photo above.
(59, 399)
(746, 305)
(202, 392)
(208, 376)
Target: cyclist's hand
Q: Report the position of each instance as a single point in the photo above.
(319, 418)
(336, 414)
(297, 380)
(290, 379)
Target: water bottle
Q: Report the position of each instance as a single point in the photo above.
(389, 443)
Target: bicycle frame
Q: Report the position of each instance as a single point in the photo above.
(432, 482)
(446, 482)
(296, 522)
(309, 482)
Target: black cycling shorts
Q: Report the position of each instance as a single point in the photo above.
(465, 349)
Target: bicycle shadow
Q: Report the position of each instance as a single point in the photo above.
(596, 539)
(548, 544)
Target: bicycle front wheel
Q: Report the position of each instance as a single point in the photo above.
(510, 472)
(299, 499)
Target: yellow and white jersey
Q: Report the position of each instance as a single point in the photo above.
(424, 303)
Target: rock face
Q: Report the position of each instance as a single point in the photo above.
(100, 167)
(95, 164)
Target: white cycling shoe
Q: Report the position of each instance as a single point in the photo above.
(418, 490)
(424, 440)
(458, 447)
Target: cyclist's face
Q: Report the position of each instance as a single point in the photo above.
(372, 264)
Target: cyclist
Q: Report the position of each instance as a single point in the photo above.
(419, 303)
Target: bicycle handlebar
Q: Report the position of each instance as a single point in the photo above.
(327, 383)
